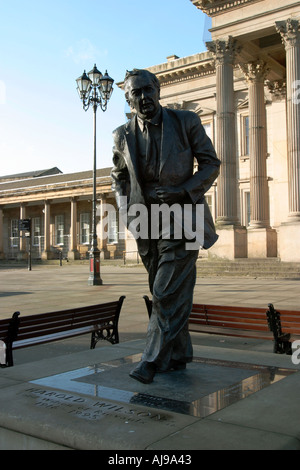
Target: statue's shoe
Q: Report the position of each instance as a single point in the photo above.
(144, 372)
(175, 365)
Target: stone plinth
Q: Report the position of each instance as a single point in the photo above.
(232, 242)
(47, 254)
(288, 242)
(73, 254)
(262, 243)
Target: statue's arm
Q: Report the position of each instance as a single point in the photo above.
(119, 172)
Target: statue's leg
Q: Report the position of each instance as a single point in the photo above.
(168, 338)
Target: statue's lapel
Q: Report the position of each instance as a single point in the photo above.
(167, 137)
(167, 142)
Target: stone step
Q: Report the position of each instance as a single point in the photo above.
(250, 268)
(267, 268)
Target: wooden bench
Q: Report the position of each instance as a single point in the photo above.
(245, 322)
(100, 320)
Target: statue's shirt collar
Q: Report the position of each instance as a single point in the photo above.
(156, 120)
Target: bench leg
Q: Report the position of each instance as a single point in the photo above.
(285, 345)
(282, 345)
(110, 335)
(12, 334)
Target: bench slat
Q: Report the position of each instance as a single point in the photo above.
(231, 332)
(49, 321)
(230, 324)
(43, 331)
(293, 313)
(227, 308)
(64, 314)
(242, 319)
(51, 337)
(293, 329)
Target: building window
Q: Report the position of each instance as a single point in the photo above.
(36, 231)
(14, 232)
(208, 129)
(245, 206)
(208, 198)
(211, 202)
(84, 228)
(112, 227)
(245, 149)
(248, 210)
(59, 230)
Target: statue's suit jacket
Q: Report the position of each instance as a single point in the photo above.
(183, 140)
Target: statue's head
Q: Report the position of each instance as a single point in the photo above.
(142, 92)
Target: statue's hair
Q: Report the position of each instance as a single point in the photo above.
(137, 72)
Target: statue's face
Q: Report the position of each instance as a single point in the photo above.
(143, 96)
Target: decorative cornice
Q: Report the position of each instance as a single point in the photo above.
(176, 76)
(182, 69)
(213, 7)
(28, 187)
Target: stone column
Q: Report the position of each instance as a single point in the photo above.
(262, 240)
(73, 250)
(46, 254)
(224, 53)
(289, 232)
(1, 234)
(232, 239)
(101, 238)
(102, 227)
(23, 240)
(290, 34)
(256, 73)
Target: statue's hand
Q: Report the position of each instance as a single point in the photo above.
(169, 194)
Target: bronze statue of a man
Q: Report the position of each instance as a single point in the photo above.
(154, 155)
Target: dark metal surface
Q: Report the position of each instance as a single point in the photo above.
(206, 386)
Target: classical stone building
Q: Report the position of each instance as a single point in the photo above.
(246, 89)
(60, 209)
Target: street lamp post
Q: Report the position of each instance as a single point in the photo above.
(94, 90)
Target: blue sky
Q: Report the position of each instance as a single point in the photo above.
(45, 46)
